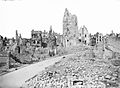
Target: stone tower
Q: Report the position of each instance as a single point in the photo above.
(70, 28)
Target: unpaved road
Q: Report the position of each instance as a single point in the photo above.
(16, 78)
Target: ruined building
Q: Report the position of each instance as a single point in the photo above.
(16, 36)
(51, 39)
(45, 39)
(17, 43)
(72, 36)
(84, 35)
(36, 38)
(18, 39)
(112, 34)
(59, 38)
(1, 43)
(99, 37)
(52, 42)
(70, 29)
(44, 36)
(92, 40)
(96, 39)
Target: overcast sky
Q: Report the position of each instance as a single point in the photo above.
(25, 15)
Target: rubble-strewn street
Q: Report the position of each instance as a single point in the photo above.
(74, 59)
(82, 70)
(16, 78)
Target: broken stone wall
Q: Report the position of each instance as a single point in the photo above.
(36, 38)
(83, 35)
(70, 28)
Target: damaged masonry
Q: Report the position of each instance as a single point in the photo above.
(86, 60)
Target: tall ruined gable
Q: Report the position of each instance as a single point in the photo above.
(70, 27)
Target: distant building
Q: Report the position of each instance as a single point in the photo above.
(92, 40)
(44, 36)
(52, 42)
(59, 40)
(96, 39)
(51, 39)
(1, 42)
(26, 42)
(18, 39)
(112, 34)
(36, 38)
(84, 35)
(70, 29)
(99, 37)
(119, 35)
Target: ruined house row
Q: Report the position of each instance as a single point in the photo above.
(38, 39)
(72, 35)
(45, 39)
(41, 39)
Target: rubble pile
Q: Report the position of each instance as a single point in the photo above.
(95, 60)
(80, 70)
(70, 50)
(114, 44)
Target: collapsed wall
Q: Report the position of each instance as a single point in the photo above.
(72, 36)
(70, 28)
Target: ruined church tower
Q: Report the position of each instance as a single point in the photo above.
(70, 29)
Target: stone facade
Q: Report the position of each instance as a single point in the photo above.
(72, 36)
(92, 40)
(99, 37)
(36, 38)
(44, 36)
(1, 42)
(84, 35)
(51, 39)
(18, 39)
(52, 42)
(59, 40)
(70, 29)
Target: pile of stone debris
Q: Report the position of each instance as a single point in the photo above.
(78, 71)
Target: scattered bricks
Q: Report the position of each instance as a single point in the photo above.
(108, 77)
(115, 74)
(112, 84)
(101, 78)
(75, 67)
